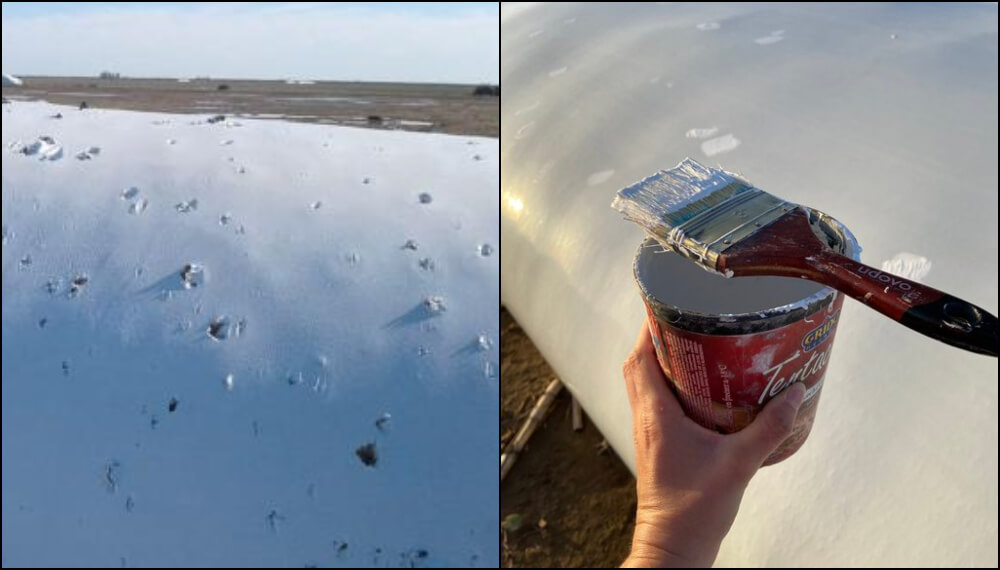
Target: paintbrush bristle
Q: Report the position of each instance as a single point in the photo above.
(696, 210)
(671, 197)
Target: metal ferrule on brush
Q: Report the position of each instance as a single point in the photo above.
(698, 211)
(738, 211)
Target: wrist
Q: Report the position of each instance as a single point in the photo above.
(652, 557)
(659, 542)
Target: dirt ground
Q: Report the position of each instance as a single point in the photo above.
(449, 109)
(584, 494)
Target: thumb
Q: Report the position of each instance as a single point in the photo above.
(771, 426)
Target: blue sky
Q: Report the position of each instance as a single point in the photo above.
(18, 9)
(385, 41)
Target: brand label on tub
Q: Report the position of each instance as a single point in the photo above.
(724, 380)
(815, 337)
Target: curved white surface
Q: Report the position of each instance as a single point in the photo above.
(884, 116)
(302, 233)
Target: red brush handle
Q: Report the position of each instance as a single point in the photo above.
(788, 247)
(924, 309)
(886, 293)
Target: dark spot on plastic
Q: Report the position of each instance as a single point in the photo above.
(368, 455)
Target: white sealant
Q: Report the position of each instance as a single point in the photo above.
(775, 37)
(677, 281)
(909, 265)
(719, 145)
(525, 130)
(669, 191)
(701, 133)
(599, 177)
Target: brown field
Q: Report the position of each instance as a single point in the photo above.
(451, 109)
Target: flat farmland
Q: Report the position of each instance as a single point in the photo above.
(451, 109)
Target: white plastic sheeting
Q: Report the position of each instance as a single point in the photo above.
(203, 324)
(884, 116)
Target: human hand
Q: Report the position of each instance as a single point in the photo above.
(689, 479)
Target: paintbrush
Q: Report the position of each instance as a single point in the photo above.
(728, 226)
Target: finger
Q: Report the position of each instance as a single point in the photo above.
(642, 367)
(629, 385)
(771, 426)
(648, 382)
